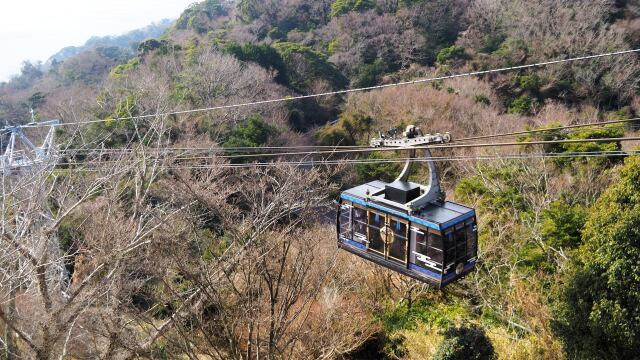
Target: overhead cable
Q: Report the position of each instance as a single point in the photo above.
(330, 148)
(366, 88)
(312, 163)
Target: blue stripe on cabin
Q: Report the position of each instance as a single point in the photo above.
(355, 243)
(429, 273)
(392, 212)
(452, 276)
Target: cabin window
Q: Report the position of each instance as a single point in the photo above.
(376, 222)
(427, 248)
(460, 238)
(449, 248)
(398, 246)
(435, 246)
(472, 240)
(359, 225)
(345, 221)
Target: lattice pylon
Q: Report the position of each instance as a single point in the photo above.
(25, 168)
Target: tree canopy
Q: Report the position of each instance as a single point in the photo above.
(599, 315)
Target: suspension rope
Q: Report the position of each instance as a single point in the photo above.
(333, 148)
(542, 130)
(315, 163)
(347, 91)
(368, 150)
(432, 147)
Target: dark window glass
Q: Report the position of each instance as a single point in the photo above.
(472, 240)
(359, 224)
(376, 221)
(345, 221)
(450, 256)
(421, 242)
(359, 214)
(459, 236)
(398, 247)
(359, 230)
(449, 242)
(399, 228)
(435, 255)
(461, 252)
(435, 240)
(432, 258)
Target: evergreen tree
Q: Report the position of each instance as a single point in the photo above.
(599, 308)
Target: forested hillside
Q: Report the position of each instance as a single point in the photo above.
(128, 41)
(172, 246)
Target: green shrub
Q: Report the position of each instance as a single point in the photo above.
(530, 82)
(467, 187)
(36, 99)
(123, 69)
(349, 130)
(394, 346)
(377, 171)
(369, 74)
(482, 99)
(553, 133)
(276, 34)
(119, 127)
(522, 105)
(465, 343)
(512, 52)
(450, 54)
(193, 16)
(492, 43)
(332, 47)
(595, 147)
(263, 55)
(562, 224)
(69, 240)
(252, 132)
(505, 192)
(341, 7)
(305, 65)
(439, 315)
(332, 135)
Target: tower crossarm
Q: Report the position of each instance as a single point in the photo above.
(21, 153)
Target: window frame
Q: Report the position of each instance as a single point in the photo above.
(406, 223)
(349, 221)
(422, 258)
(365, 239)
(369, 225)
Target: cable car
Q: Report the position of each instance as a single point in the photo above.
(408, 227)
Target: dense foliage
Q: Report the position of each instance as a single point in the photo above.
(598, 312)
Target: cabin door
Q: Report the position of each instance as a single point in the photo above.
(396, 240)
(376, 232)
(388, 236)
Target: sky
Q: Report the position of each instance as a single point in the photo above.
(36, 29)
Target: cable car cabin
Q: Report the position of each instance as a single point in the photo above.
(437, 245)
(409, 228)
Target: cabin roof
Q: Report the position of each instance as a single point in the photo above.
(435, 215)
